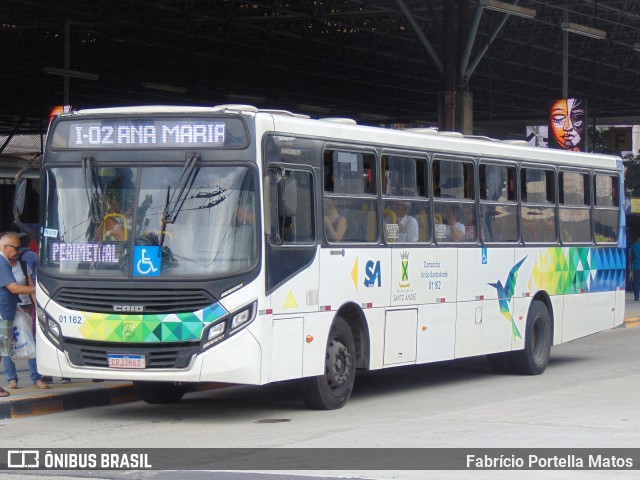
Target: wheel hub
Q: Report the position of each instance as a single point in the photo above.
(338, 363)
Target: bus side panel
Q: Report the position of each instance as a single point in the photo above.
(481, 328)
(483, 273)
(540, 272)
(286, 348)
(299, 293)
(423, 276)
(486, 289)
(376, 325)
(436, 332)
(557, 306)
(520, 309)
(46, 355)
(587, 313)
(359, 275)
(236, 360)
(400, 330)
(316, 332)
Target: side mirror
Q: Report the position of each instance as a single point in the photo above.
(19, 197)
(18, 208)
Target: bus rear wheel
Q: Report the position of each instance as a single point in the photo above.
(534, 358)
(160, 392)
(332, 390)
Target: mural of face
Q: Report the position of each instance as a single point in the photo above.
(567, 122)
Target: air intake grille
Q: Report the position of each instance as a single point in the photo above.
(157, 300)
(166, 355)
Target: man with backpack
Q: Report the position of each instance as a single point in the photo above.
(13, 284)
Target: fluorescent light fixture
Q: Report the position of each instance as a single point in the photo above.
(508, 8)
(582, 30)
(63, 72)
(636, 47)
(164, 87)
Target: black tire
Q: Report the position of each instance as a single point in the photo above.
(332, 390)
(500, 362)
(534, 358)
(160, 392)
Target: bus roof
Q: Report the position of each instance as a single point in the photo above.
(342, 129)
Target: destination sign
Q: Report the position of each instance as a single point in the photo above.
(60, 252)
(127, 133)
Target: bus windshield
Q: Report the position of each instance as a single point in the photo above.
(149, 220)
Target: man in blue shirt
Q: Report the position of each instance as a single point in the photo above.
(634, 259)
(9, 293)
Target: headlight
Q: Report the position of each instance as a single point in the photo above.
(50, 327)
(243, 318)
(227, 327)
(215, 331)
(240, 318)
(54, 328)
(214, 334)
(42, 317)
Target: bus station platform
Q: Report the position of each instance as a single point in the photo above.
(82, 393)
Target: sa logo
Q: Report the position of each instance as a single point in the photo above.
(372, 274)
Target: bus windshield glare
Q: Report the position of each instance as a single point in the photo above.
(150, 221)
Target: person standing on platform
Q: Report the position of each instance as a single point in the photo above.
(14, 282)
(27, 255)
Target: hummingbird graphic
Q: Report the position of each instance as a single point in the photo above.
(505, 294)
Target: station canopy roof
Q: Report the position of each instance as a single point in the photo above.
(379, 62)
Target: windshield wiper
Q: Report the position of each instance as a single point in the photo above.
(174, 204)
(175, 200)
(93, 189)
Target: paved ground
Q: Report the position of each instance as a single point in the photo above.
(81, 393)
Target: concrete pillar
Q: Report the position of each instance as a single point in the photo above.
(447, 111)
(464, 112)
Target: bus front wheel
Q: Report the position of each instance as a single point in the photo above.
(160, 392)
(332, 390)
(534, 358)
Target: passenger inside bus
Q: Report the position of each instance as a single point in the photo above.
(335, 225)
(407, 225)
(455, 229)
(115, 223)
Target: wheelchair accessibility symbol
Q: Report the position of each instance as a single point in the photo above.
(146, 261)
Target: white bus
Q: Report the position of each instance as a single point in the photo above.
(230, 244)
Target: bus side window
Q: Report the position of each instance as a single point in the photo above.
(292, 212)
(538, 213)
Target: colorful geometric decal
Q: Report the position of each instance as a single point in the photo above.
(505, 294)
(562, 271)
(178, 327)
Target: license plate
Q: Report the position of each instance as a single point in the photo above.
(126, 361)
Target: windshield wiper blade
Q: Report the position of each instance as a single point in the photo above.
(174, 204)
(93, 189)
